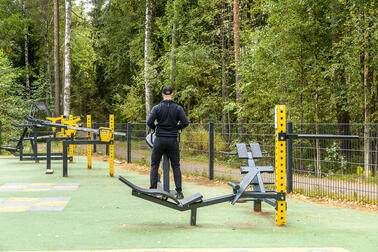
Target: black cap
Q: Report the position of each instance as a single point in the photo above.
(167, 90)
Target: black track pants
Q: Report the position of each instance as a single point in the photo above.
(169, 146)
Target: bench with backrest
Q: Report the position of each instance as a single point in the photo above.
(254, 172)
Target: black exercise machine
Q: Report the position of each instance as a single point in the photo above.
(252, 177)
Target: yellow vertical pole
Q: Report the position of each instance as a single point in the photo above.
(89, 146)
(71, 147)
(111, 147)
(280, 157)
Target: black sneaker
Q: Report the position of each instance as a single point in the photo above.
(179, 195)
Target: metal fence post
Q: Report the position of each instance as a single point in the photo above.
(129, 127)
(211, 150)
(1, 124)
(289, 158)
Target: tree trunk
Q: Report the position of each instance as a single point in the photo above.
(56, 58)
(367, 90)
(317, 131)
(237, 51)
(67, 60)
(224, 73)
(174, 43)
(26, 49)
(147, 58)
(47, 58)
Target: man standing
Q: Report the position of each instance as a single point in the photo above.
(170, 119)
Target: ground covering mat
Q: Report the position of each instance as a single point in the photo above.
(33, 204)
(33, 187)
(220, 250)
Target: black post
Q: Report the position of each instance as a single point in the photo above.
(289, 159)
(211, 150)
(94, 138)
(193, 216)
(35, 146)
(107, 145)
(129, 128)
(65, 159)
(22, 151)
(166, 167)
(1, 124)
(48, 155)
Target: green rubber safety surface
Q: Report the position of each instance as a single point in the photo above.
(222, 250)
(102, 215)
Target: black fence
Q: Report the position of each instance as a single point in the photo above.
(334, 168)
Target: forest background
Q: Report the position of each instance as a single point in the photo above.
(228, 61)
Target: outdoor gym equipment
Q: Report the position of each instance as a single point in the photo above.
(37, 110)
(106, 137)
(253, 177)
(14, 149)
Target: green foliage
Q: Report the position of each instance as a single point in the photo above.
(12, 104)
(334, 155)
(309, 55)
(197, 139)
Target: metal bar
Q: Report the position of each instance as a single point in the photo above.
(320, 136)
(41, 155)
(39, 123)
(289, 158)
(48, 154)
(211, 150)
(71, 147)
(193, 216)
(111, 147)
(280, 158)
(257, 206)
(89, 146)
(166, 167)
(35, 145)
(94, 138)
(65, 159)
(80, 142)
(41, 158)
(217, 200)
(129, 129)
(21, 151)
(107, 145)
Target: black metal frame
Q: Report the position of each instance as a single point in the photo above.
(290, 136)
(193, 206)
(68, 142)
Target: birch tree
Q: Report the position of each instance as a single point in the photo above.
(56, 57)
(67, 60)
(26, 49)
(147, 57)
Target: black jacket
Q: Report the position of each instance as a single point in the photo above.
(170, 118)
